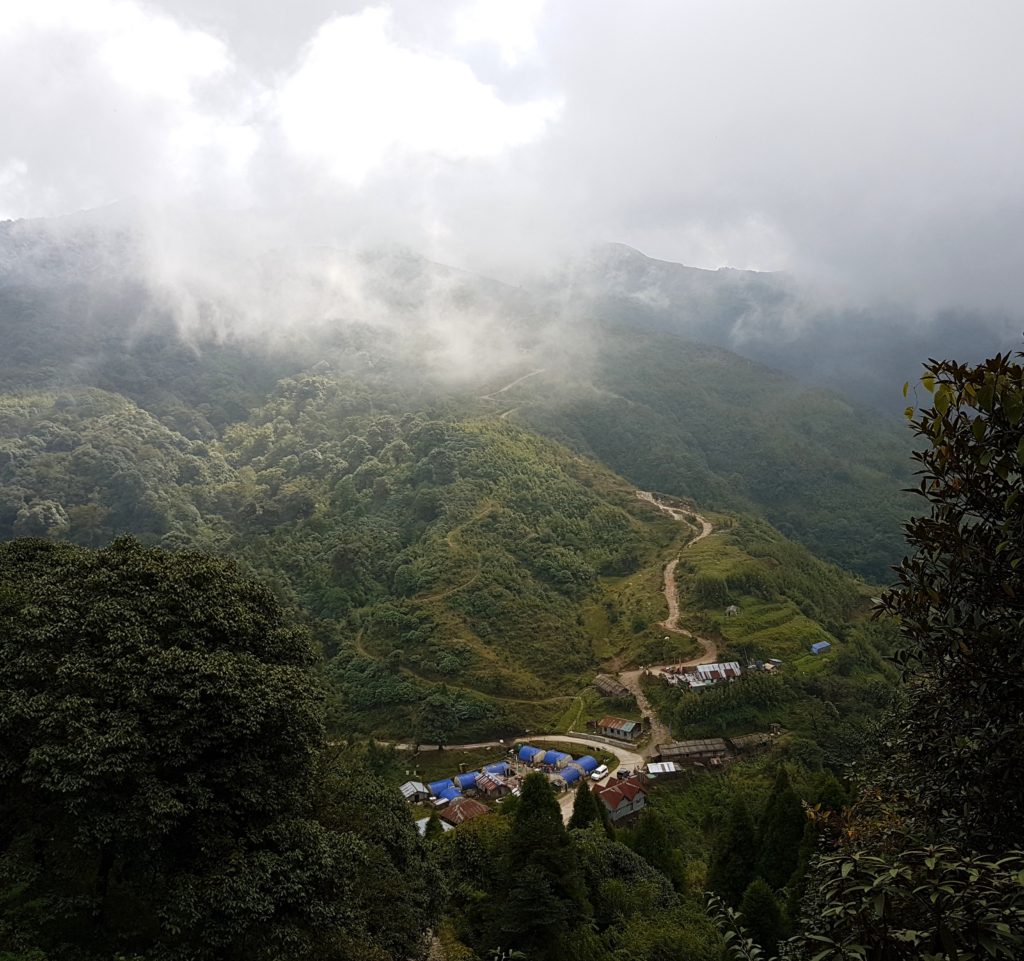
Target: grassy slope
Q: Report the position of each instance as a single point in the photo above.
(703, 423)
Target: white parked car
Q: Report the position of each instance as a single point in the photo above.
(599, 772)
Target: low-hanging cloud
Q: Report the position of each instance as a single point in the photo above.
(873, 148)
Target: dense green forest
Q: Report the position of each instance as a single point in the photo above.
(442, 537)
(334, 538)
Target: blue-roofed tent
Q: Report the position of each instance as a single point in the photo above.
(557, 758)
(466, 780)
(570, 774)
(588, 763)
(451, 793)
(436, 787)
(528, 754)
(500, 768)
(820, 647)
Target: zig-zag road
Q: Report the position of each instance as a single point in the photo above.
(660, 732)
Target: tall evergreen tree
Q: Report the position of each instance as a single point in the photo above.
(546, 895)
(782, 829)
(762, 916)
(733, 855)
(433, 827)
(584, 808)
(650, 840)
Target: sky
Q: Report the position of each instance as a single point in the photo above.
(873, 147)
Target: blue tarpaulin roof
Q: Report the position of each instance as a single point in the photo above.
(466, 780)
(553, 757)
(527, 753)
(500, 768)
(451, 793)
(820, 646)
(436, 787)
(570, 774)
(588, 763)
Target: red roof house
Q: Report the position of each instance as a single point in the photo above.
(622, 798)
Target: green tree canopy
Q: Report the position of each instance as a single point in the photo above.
(164, 790)
(734, 853)
(584, 807)
(960, 602)
(781, 831)
(546, 896)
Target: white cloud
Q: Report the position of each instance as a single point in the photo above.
(360, 100)
(104, 99)
(509, 26)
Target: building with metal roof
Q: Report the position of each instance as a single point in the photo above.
(663, 769)
(821, 647)
(414, 791)
(610, 686)
(463, 809)
(687, 752)
(620, 728)
(749, 742)
(622, 799)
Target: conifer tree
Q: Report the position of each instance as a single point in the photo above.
(650, 840)
(761, 916)
(584, 808)
(733, 855)
(782, 829)
(546, 895)
(434, 829)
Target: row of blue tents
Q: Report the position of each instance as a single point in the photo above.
(569, 770)
(453, 787)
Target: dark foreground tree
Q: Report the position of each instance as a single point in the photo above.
(960, 603)
(733, 854)
(650, 840)
(546, 896)
(928, 861)
(762, 916)
(781, 831)
(164, 790)
(584, 808)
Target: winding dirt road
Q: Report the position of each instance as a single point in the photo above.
(660, 733)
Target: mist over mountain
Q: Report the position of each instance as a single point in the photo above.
(384, 385)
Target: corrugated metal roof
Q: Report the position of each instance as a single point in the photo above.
(462, 810)
(618, 723)
(412, 788)
(663, 767)
(709, 746)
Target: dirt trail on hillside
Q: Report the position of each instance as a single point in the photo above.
(518, 380)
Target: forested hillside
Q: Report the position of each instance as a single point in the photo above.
(467, 533)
